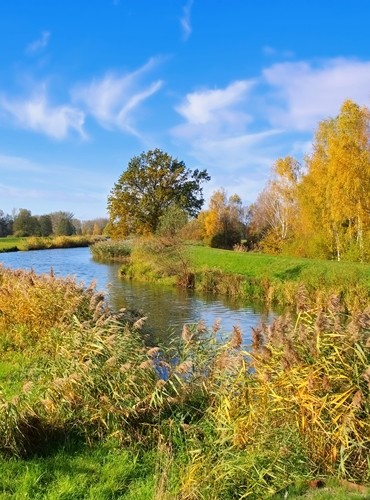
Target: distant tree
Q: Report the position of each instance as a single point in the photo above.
(77, 224)
(46, 228)
(25, 224)
(152, 182)
(65, 228)
(6, 224)
(96, 230)
(98, 225)
(62, 223)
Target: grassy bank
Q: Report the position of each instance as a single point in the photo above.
(88, 410)
(274, 280)
(279, 279)
(42, 243)
(10, 244)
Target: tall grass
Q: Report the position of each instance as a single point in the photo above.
(41, 243)
(219, 419)
(159, 259)
(111, 251)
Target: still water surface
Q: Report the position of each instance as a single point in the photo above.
(167, 308)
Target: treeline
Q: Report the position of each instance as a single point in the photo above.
(320, 208)
(22, 223)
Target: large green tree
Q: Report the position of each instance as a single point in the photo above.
(153, 182)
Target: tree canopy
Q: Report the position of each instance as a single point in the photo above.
(152, 183)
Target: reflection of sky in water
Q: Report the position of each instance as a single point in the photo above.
(167, 308)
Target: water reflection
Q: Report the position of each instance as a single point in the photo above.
(167, 308)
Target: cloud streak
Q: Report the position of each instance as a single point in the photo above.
(112, 99)
(37, 114)
(185, 21)
(39, 44)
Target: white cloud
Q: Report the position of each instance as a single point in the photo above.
(303, 93)
(185, 20)
(112, 99)
(39, 44)
(208, 106)
(37, 114)
(217, 132)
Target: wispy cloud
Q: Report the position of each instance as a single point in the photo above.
(303, 93)
(36, 113)
(186, 19)
(112, 99)
(216, 106)
(39, 44)
(19, 164)
(217, 132)
(273, 52)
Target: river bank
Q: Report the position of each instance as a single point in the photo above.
(13, 244)
(272, 280)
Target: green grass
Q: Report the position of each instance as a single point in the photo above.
(10, 244)
(277, 267)
(101, 472)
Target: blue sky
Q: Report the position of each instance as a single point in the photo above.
(227, 85)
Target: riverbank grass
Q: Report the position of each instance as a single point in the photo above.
(272, 280)
(11, 244)
(91, 411)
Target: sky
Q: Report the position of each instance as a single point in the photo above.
(225, 85)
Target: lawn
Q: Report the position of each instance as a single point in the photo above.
(279, 268)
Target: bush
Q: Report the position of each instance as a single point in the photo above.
(111, 251)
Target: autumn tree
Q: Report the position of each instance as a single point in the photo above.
(152, 182)
(273, 214)
(94, 226)
(334, 195)
(223, 221)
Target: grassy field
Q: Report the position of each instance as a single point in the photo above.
(278, 268)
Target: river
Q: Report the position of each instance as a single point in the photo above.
(167, 308)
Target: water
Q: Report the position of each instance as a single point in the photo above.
(167, 308)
